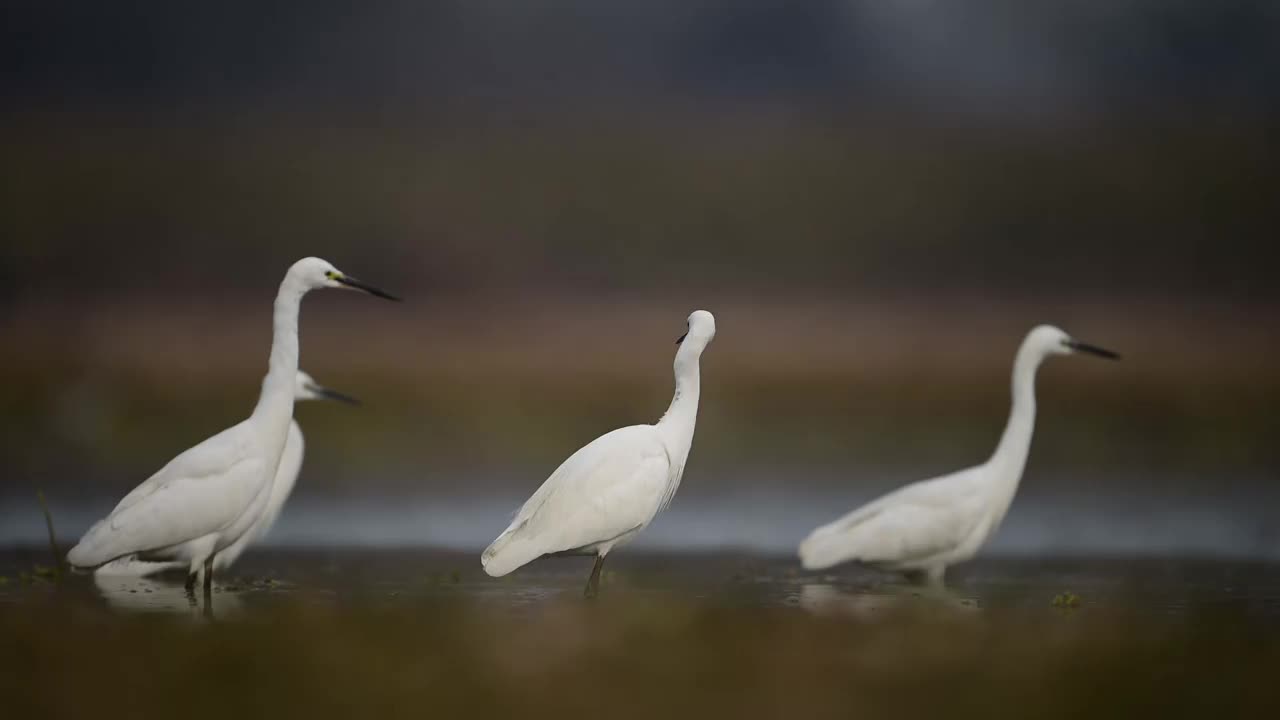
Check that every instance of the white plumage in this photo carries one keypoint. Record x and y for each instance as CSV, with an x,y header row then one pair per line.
x,y
305,388
208,497
612,488
929,525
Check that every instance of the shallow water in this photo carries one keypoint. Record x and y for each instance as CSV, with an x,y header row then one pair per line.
x,y
271,578
407,633
766,513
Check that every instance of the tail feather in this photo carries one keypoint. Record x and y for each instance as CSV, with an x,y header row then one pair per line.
x,y
508,552
95,547
825,548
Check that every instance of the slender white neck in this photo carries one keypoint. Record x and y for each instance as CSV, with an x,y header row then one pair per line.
x,y
1010,456
677,424
275,403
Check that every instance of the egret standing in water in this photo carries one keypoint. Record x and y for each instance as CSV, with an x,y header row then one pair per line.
x,y
929,525
207,498
305,388
611,489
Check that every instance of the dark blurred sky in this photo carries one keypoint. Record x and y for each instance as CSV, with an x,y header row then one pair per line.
x,y
990,58
1072,146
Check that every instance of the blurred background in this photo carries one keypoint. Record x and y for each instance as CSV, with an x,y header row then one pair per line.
x,y
876,199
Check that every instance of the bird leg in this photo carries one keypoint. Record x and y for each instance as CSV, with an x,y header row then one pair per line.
x,y
208,580
933,577
195,576
593,583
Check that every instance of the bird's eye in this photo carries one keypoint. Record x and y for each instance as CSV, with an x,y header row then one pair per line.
x,y
328,274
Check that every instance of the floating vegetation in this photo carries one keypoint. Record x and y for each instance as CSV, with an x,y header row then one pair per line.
x,y
1067,600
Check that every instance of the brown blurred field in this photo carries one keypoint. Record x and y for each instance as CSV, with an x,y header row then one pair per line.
x,y
872,276
783,199
460,383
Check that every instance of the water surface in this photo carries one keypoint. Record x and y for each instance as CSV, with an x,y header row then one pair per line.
x,y
351,632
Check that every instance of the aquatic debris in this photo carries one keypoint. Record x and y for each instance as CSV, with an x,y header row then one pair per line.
x,y
443,578
1067,600
38,574
252,582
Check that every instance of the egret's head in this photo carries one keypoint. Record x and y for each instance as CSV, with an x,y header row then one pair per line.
x,y
315,273
306,388
701,327
1049,340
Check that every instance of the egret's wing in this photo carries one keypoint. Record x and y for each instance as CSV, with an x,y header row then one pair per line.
x,y
281,487
902,533
177,511
211,457
608,488
286,477
913,523
597,512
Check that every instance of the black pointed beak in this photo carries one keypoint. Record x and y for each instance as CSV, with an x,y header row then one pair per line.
x,y
1092,350
359,285
334,395
681,338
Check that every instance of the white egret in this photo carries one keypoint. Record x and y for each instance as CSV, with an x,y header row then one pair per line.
x,y
206,498
304,388
611,489
929,525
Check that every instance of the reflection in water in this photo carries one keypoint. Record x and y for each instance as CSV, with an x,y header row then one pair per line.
x,y
534,595
134,594
827,599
